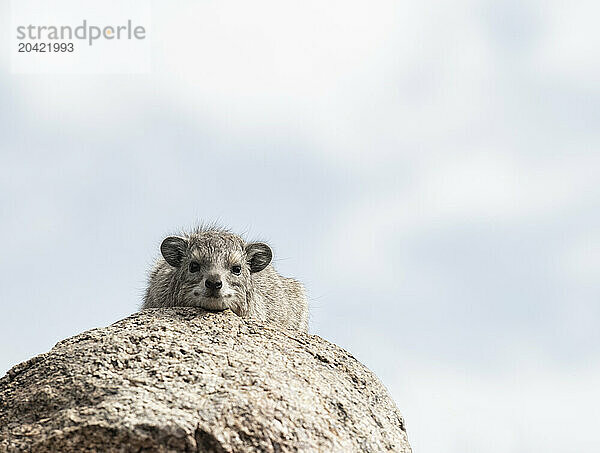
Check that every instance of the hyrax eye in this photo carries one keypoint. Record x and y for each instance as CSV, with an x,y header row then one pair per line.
x,y
237,269
194,266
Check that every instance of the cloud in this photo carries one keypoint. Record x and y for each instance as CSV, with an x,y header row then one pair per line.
x,y
518,410
461,188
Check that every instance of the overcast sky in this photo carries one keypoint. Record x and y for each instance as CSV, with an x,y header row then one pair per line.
x,y
429,170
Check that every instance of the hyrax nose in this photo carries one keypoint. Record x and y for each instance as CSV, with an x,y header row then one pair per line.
x,y
213,282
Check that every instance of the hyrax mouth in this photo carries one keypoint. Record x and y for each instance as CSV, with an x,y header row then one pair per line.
x,y
208,294
211,301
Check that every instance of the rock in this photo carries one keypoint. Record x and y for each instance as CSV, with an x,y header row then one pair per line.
x,y
188,380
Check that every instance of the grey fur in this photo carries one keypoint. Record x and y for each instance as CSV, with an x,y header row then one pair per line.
x,y
258,291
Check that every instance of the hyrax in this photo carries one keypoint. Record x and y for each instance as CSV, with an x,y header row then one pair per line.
x,y
215,269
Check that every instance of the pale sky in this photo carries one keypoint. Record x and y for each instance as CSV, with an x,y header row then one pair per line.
x,y
429,171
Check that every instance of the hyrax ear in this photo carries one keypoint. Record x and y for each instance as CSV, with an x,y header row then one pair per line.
x,y
173,250
259,256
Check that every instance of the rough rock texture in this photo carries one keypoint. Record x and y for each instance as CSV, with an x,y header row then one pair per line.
x,y
188,380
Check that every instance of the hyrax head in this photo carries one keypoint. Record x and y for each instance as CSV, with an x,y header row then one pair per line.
x,y
213,268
